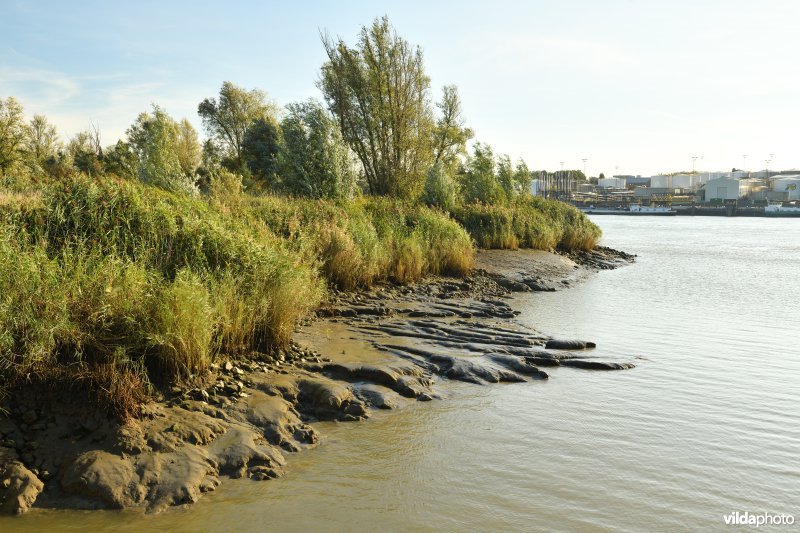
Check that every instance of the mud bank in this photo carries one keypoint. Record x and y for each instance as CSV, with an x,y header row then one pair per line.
x,y
369,350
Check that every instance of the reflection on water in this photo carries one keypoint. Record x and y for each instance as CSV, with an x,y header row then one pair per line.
x,y
707,424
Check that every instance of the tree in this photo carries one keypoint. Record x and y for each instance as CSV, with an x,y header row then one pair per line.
x,y
42,142
121,160
449,135
316,162
227,120
523,177
13,134
260,149
86,152
479,182
188,148
505,176
440,188
154,138
378,91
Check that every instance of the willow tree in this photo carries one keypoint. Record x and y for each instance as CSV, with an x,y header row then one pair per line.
x,y
13,134
228,119
378,91
450,135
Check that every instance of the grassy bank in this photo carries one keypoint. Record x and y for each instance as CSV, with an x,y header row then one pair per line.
x,y
112,286
528,223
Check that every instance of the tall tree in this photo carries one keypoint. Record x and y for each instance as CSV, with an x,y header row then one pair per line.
x,y
450,135
379,93
479,182
188,147
86,152
316,161
523,177
13,134
505,176
227,119
260,150
120,159
154,138
42,141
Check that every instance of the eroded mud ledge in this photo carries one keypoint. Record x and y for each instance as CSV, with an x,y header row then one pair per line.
x,y
366,350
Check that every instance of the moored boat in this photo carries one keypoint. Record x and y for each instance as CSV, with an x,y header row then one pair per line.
x,y
633,209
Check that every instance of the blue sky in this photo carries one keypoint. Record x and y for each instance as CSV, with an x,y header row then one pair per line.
x,y
633,87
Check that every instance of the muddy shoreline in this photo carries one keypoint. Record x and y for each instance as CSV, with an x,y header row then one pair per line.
x,y
366,350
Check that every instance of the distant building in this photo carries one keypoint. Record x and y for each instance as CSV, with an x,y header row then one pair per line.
x,y
535,187
789,184
635,181
684,181
649,192
611,183
722,189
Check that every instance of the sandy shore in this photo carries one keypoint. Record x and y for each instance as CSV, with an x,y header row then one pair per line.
x,y
376,349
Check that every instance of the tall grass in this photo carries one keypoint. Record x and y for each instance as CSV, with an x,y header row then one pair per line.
x,y
108,285
104,272
529,222
359,242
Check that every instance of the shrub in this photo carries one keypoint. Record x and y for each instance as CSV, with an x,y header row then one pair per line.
x,y
440,188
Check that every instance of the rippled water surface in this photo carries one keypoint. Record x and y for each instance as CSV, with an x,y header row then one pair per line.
x,y
708,423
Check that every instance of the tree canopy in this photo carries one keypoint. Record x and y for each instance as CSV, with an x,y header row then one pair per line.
x,y
13,134
228,119
317,162
378,91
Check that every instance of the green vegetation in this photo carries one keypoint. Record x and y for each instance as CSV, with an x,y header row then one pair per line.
x,y
126,267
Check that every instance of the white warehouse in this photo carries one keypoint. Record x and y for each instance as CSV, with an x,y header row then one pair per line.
x,y
726,189
788,184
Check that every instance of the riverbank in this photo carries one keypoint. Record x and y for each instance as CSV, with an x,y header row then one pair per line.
x,y
370,349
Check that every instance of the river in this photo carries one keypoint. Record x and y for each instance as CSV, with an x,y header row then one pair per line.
x,y
708,423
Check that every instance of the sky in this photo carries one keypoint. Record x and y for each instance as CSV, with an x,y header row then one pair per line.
x,y
633,87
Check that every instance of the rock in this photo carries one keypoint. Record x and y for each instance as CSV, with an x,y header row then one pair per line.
x,y
510,284
228,366
561,344
105,478
377,396
596,365
518,364
328,400
19,488
29,417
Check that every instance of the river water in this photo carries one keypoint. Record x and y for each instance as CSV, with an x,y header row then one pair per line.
x,y
708,422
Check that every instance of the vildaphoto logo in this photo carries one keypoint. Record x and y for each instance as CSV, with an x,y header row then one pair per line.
x,y
747,518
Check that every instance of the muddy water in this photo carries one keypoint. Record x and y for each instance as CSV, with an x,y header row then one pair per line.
x,y
708,423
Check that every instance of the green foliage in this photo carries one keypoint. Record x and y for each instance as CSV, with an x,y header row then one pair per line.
x,y
379,93
13,135
227,120
157,141
120,160
103,271
529,222
187,146
260,149
450,135
85,152
479,183
316,162
366,240
440,189
41,143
